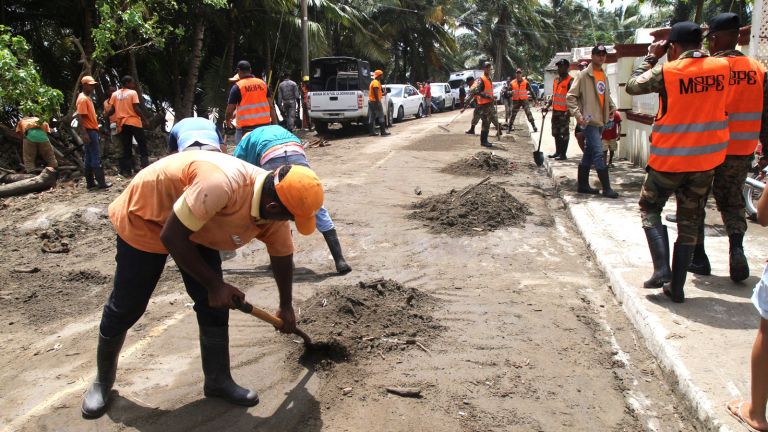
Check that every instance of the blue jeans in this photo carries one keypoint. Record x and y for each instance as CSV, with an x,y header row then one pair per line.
x,y
323,220
91,153
593,148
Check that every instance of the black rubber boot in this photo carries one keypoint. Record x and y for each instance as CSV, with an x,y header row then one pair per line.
x,y
484,139
332,238
681,257
700,261
557,149
583,181
214,351
126,169
739,267
606,182
658,244
383,129
100,180
471,130
563,149
372,129
90,183
498,132
96,399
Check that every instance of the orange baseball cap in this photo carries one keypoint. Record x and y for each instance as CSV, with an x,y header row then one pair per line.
x,y
87,80
301,193
378,72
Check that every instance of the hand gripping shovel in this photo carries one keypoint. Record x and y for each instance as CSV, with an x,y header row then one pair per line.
x,y
538,156
263,315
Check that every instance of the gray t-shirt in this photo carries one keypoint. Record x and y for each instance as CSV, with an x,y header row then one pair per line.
x,y
288,91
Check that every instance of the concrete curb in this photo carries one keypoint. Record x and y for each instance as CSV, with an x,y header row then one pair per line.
x,y
646,323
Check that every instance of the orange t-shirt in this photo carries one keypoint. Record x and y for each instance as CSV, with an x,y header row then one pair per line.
x,y
213,194
27,123
123,101
85,108
107,107
600,84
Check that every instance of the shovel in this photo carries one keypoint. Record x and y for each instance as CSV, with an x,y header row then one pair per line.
x,y
263,315
538,156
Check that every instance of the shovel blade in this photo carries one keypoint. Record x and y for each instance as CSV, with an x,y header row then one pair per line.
x,y
538,157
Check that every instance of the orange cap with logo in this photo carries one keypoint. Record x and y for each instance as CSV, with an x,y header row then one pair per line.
x,y
301,193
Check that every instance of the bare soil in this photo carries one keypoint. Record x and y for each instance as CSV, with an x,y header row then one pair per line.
x,y
519,329
484,162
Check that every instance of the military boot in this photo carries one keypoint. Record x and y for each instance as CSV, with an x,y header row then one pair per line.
x,y
563,149
214,352
680,259
484,138
739,267
96,399
332,239
700,261
471,130
658,244
583,181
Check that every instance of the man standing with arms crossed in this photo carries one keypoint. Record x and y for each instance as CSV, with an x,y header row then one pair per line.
x,y
250,103
88,126
747,123
686,145
192,205
561,119
589,101
288,95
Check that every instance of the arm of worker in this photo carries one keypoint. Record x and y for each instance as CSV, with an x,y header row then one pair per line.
x,y
762,210
376,93
282,270
175,236
273,112
173,144
222,141
764,123
572,100
611,108
81,127
232,100
647,78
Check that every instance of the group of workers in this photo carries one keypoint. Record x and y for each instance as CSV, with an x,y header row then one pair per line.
x,y
210,202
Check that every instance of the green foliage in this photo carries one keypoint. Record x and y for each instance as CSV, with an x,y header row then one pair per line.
x,y
20,84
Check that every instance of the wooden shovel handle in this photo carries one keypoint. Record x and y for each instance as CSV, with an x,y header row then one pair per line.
x,y
263,315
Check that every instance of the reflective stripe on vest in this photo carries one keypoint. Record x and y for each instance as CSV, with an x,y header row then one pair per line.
x,y
519,91
486,96
253,109
560,92
745,104
693,134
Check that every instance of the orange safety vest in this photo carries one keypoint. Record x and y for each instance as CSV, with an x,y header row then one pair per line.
x,y
253,109
692,135
745,104
519,90
486,96
559,93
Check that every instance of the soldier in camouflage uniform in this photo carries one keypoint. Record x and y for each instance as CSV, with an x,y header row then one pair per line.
x,y
486,111
476,115
690,187
723,36
560,118
517,105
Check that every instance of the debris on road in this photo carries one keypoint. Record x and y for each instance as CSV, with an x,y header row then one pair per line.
x,y
484,162
413,392
481,208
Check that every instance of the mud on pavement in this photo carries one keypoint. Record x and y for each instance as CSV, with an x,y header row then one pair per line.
x,y
484,162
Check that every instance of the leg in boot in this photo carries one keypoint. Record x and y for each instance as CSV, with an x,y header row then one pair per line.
x,y
214,351
383,129
332,239
583,181
700,262
471,130
739,267
680,260
100,180
372,128
602,174
658,244
564,147
90,183
557,149
96,399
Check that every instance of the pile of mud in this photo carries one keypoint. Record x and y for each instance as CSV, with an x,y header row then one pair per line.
x,y
481,163
472,211
365,320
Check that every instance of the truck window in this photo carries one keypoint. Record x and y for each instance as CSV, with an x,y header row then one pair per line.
x,y
338,74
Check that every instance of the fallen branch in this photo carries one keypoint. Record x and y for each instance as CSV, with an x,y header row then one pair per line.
x,y
45,181
13,178
473,187
414,392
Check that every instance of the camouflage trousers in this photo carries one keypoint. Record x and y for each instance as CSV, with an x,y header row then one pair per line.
x,y
561,124
726,188
487,114
516,106
690,189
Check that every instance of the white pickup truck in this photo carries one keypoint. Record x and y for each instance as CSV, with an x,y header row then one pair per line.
x,y
338,92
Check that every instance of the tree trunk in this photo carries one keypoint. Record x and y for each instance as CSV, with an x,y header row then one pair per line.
x,y
45,181
193,69
135,74
699,11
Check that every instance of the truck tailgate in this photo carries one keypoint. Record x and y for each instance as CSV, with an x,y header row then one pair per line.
x,y
335,101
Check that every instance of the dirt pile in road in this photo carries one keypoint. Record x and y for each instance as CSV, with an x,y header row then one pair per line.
x,y
474,210
481,163
366,319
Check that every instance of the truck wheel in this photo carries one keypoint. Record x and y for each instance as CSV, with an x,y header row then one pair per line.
x,y
321,127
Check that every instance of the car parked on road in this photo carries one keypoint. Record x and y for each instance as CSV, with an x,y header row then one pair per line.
x,y
406,101
442,97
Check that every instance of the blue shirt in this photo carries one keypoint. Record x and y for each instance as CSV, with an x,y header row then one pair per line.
x,y
253,146
191,130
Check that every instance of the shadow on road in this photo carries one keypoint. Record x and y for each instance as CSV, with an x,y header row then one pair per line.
x,y
299,411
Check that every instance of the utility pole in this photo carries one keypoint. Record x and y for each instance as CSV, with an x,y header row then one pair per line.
x,y
304,40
